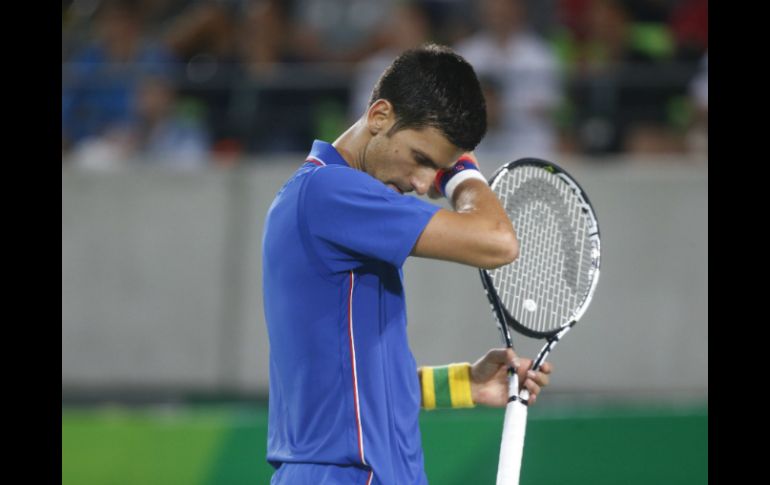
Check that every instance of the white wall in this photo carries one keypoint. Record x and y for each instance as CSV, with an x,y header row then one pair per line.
x,y
161,283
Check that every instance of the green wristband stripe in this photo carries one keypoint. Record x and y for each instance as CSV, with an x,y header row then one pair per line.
x,y
441,385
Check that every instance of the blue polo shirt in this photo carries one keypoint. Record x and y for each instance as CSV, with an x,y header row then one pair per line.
x,y
344,393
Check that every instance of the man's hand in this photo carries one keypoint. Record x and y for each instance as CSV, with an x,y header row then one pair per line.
x,y
489,377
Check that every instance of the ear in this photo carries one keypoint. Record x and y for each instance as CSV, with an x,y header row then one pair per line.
x,y
380,117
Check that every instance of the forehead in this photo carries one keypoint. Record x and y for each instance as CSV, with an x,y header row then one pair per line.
x,y
430,142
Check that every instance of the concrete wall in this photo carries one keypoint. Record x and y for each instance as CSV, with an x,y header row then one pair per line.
x,y
161,283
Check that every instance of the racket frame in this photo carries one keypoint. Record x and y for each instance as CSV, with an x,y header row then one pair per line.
x,y
514,428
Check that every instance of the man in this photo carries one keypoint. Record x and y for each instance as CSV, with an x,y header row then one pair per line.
x,y
345,391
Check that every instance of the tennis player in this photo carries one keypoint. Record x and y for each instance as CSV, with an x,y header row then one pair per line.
x,y
345,390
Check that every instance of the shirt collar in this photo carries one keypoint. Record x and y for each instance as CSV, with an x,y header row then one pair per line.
x,y
324,153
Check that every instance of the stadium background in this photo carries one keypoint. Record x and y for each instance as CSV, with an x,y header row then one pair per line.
x,y
164,347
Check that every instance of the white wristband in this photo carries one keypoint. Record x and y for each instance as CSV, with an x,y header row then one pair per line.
x,y
461,177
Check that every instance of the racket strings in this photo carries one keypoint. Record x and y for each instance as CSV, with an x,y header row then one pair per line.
x,y
551,277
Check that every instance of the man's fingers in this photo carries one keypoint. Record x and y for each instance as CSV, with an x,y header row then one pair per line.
x,y
511,359
541,378
532,387
522,367
508,357
500,356
496,356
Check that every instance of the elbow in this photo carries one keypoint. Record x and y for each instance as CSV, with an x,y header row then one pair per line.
x,y
505,250
512,251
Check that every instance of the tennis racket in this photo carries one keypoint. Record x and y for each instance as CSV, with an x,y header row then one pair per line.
x,y
545,291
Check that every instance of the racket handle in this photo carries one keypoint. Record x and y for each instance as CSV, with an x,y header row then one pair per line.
x,y
514,428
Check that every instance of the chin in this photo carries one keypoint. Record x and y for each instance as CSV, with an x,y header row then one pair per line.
x,y
394,187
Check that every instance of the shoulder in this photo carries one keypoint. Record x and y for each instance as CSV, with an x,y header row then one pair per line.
x,y
335,179
350,193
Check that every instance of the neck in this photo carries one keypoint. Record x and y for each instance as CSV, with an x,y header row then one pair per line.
x,y
352,145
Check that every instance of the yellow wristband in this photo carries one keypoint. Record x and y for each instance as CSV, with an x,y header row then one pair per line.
x,y
446,386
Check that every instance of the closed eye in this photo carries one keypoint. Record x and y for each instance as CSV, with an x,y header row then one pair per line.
x,y
423,160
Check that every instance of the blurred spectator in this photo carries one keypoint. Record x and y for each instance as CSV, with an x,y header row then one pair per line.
x,y
571,18
541,16
168,132
449,19
164,133
689,24
407,27
520,70
625,84
203,33
264,36
337,30
236,53
99,83
269,115
205,37
269,74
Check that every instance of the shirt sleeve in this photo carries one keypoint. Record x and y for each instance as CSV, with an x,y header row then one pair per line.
x,y
351,218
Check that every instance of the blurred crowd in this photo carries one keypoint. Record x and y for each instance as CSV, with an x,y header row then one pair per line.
x,y
186,83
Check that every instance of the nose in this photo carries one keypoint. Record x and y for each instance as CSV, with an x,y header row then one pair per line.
x,y
420,185
422,180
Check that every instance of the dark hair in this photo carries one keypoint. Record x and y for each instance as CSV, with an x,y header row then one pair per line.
x,y
434,86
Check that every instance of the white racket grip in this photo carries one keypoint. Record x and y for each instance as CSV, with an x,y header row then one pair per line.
x,y
512,444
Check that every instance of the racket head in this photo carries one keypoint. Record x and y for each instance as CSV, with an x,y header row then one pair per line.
x,y
550,285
